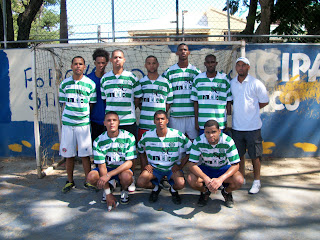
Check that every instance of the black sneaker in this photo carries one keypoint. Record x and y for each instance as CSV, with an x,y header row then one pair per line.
x,y
124,197
154,195
176,199
203,199
68,186
228,199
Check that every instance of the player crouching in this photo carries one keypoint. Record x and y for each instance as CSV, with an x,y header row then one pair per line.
x,y
114,151
219,165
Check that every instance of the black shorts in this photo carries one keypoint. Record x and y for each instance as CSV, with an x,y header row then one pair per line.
x,y
131,128
250,140
96,130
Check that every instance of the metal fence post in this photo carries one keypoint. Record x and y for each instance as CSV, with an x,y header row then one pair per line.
x,y
4,13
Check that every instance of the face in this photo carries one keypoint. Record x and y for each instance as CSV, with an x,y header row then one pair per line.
x,y
100,64
212,134
210,63
111,122
183,52
151,65
161,121
242,69
118,59
78,66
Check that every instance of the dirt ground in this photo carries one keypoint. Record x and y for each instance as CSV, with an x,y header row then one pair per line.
x,y
287,207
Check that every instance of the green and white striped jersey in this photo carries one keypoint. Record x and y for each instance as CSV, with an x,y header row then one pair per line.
x,y
212,95
163,153
119,93
181,81
155,95
223,153
114,151
77,96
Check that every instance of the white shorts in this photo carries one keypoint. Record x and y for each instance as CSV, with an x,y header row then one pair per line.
x,y
186,125
71,136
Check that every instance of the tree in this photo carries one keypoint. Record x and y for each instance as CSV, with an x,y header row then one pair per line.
x,y
265,20
63,21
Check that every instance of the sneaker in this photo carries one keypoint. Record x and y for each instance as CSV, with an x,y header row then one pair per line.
x,y
164,184
228,199
112,185
203,199
68,186
176,199
132,186
91,187
154,195
124,198
255,188
104,198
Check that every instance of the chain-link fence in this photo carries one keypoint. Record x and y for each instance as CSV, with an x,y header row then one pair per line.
x,y
167,20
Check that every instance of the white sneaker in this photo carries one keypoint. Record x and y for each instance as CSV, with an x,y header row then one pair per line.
x,y
255,188
124,198
132,187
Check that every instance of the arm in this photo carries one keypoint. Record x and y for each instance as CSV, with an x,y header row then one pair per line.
x,y
228,107
184,161
167,107
125,166
144,163
137,103
91,106
196,113
262,105
198,172
104,177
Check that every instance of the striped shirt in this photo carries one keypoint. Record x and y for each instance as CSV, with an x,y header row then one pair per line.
x,y
77,96
212,95
223,153
156,94
114,151
181,80
119,93
163,153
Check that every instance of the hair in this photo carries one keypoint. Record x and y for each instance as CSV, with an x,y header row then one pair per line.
x,y
211,123
99,52
116,50
210,55
78,57
111,113
181,44
160,112
151,56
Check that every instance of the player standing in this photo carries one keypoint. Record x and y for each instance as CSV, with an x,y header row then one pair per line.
x,y
249,96
78,93
181,77
211,96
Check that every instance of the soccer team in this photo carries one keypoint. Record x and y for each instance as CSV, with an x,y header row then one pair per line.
x,y
99,117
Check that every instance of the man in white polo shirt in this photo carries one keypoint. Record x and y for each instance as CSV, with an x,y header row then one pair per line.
x,y
249,96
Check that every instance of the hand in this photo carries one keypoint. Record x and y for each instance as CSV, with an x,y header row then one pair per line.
x,y
149,168
102,181
196,125
214,184
175,168
111,202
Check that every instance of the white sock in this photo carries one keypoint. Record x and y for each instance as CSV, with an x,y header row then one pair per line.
x,y
172,190
257,182
156,187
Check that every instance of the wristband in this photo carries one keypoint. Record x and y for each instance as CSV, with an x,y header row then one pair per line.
x,y
107,191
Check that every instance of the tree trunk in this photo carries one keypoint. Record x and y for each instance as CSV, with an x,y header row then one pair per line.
x,y
265,21
63,21
251,18
10,29
25,20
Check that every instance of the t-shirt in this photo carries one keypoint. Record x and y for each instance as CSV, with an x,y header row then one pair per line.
x,y
214,156
163,153
181,81
119,93
98,110
155,95
114,151
246,98
77,96
212,95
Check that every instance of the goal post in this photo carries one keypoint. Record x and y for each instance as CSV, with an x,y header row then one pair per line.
x,y
52,64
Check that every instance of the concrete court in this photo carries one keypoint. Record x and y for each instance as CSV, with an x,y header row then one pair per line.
x,y
288,207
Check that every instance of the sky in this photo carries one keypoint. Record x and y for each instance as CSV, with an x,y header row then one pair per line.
x,y
84,16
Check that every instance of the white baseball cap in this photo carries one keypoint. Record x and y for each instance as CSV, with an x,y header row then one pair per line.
x,y
243,59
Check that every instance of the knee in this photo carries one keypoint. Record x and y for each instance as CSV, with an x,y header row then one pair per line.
x,y
179,183
141,182
125,178
93,177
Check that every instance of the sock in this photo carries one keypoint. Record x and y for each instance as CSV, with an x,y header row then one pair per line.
x,y
156,187
172,190
224,189
257,182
